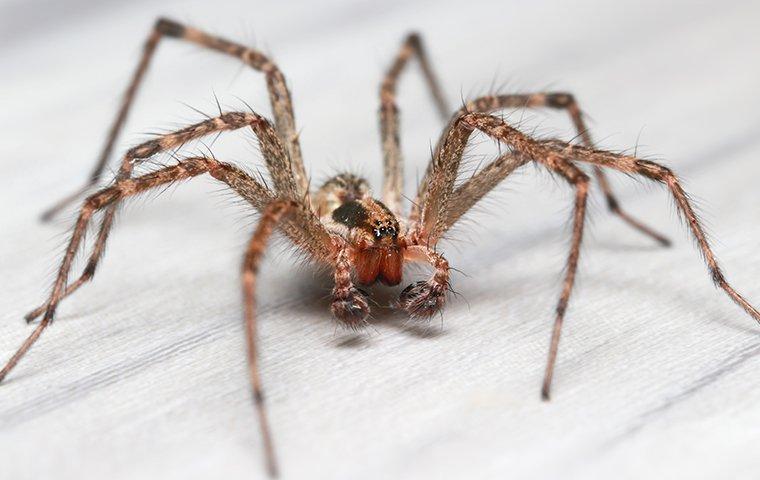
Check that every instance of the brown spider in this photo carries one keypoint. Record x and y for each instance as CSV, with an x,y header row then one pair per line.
x,y
341,225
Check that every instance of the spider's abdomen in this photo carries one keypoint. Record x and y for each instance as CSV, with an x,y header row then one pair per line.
x,y
339,190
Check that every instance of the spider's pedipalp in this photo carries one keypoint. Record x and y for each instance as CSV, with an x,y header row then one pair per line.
x,y
424,299
349,305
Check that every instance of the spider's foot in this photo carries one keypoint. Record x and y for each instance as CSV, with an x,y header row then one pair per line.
x,y
350,308
422,299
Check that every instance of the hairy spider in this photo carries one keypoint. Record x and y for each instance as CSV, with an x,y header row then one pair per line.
x,y
341,225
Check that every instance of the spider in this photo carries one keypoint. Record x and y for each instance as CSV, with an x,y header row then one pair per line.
x,y
363,240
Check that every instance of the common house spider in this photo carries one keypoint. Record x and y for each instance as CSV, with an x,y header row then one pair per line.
x,y
340,225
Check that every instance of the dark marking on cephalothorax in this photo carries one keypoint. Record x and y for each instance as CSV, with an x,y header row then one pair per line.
x,y
352,214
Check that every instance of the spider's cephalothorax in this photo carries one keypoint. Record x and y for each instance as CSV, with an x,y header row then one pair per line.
x,y
372,245
372,231
341,226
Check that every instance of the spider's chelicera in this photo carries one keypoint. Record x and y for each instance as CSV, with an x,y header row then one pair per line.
x,y
362,239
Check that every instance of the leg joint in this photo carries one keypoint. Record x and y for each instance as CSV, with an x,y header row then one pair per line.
x,y
717,275
561,307
612,203
655,171
560,100
170,28
89,270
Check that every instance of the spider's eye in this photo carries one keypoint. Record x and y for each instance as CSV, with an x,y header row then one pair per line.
x,y
381,232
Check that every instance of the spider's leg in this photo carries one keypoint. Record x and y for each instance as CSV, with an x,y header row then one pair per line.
x,y
479,184
279,96
556,100
271,149
393,175
436,204
568,102
304,229
185,169
270,217
92,263
580,181
434,199
99,200
299,220
664,175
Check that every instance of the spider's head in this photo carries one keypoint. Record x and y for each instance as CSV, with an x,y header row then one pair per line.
x,y
374,233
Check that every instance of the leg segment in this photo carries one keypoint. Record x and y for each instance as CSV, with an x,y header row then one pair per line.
x,y
580,181
393,177
279,95
125,188
89,269
665,176
567,101
269,219
482,182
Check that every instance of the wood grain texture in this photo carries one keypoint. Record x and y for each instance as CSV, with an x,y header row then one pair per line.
x,y
143,374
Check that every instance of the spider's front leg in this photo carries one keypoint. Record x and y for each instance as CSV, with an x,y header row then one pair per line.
x,y
279,96
103,199
425,298
274,154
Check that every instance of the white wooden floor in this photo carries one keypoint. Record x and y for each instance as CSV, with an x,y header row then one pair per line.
x,y
143,375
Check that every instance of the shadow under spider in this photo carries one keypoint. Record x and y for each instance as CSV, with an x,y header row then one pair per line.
x,y
314,290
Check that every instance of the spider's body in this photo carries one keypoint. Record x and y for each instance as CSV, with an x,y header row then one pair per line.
x,y
377,249
362,239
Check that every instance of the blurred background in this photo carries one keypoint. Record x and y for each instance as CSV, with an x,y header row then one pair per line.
x,y
143,374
